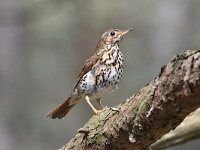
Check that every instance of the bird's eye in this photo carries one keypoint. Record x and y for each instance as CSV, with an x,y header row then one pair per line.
x,y
112,33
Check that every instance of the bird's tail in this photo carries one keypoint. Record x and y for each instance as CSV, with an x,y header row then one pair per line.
x,y
62,110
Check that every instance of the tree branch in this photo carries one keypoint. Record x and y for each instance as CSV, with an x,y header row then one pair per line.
x,y
155,110
188,130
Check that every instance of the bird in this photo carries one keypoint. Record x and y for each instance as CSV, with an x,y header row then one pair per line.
x,y
100,74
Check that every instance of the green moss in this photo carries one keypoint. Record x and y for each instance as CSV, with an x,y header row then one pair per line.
x,y
107,135
99,138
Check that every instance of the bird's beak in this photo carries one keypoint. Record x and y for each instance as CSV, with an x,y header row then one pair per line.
x,y
123,32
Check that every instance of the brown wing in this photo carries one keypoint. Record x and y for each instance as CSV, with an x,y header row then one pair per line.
x,y
87,67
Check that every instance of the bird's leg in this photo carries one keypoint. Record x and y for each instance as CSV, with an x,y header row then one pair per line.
x,y
97,112
99,101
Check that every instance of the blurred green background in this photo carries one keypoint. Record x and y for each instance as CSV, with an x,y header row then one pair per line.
x,y
44,44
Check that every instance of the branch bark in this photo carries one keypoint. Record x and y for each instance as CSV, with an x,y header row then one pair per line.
x,y
155,110
188,130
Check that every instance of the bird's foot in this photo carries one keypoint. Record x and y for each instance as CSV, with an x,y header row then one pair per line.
x,y
98,112
115,109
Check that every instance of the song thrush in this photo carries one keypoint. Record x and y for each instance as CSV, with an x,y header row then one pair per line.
x,y
100,74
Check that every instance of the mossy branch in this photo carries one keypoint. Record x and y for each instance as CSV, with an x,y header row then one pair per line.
x,y
155,110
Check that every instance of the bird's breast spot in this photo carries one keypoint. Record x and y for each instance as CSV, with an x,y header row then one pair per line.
x,y
113,73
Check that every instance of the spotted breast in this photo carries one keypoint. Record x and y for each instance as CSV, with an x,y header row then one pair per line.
x,y
104,75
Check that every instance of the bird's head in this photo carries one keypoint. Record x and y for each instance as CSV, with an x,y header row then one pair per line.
x,y
113,36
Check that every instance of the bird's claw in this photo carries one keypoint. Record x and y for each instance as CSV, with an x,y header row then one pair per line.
x,y
98,112
115,109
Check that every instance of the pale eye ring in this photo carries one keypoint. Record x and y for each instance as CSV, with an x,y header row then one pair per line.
x,y
112,33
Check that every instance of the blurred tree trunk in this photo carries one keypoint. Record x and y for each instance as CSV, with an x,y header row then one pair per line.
x,y
155,110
